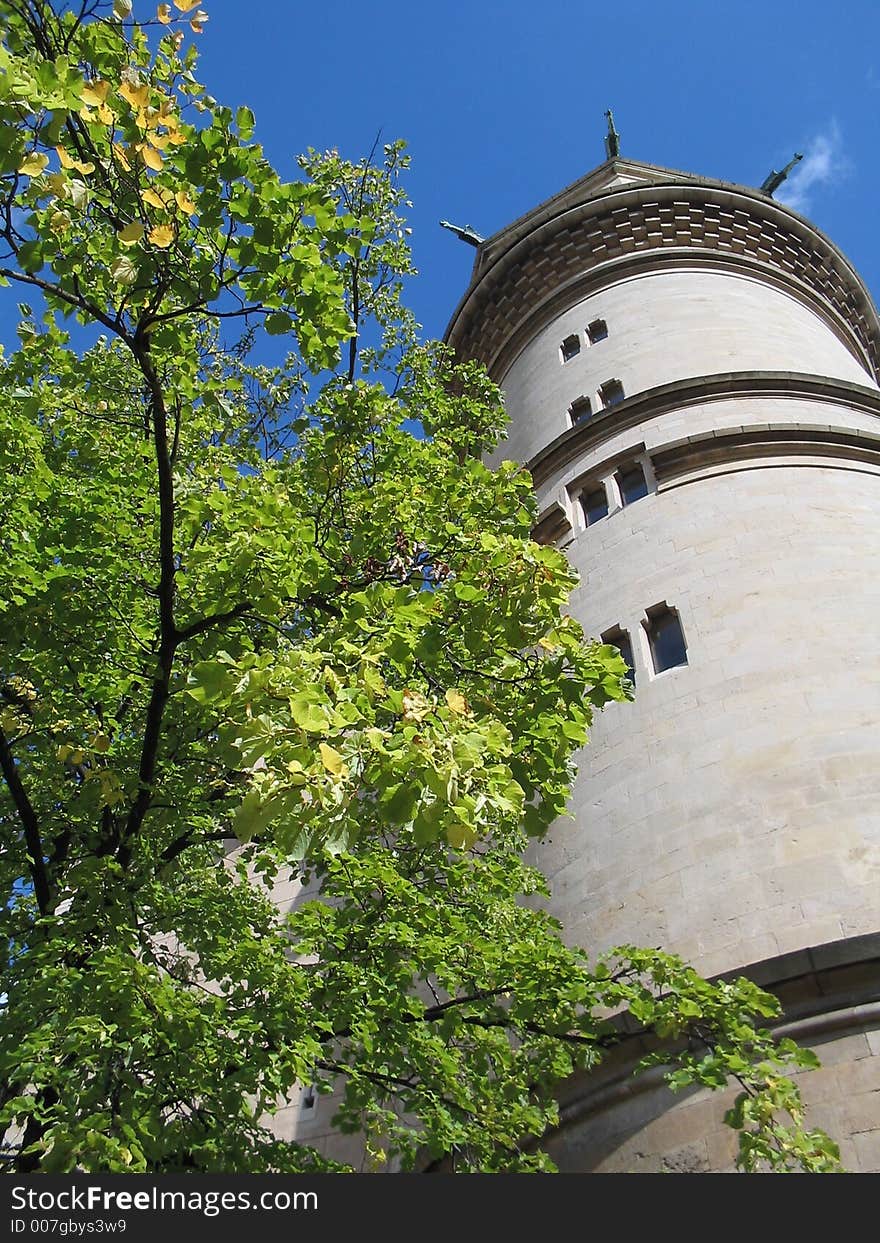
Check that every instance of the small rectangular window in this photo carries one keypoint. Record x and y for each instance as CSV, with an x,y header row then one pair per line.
x,y
580,410
308,1102
594,505
597,331
632,483
620,639
665,638
570,347
611,393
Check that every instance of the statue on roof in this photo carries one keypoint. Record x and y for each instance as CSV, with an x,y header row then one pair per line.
x,y
466,232
774,180
612,138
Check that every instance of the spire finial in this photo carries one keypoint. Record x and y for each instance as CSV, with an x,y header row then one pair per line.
x,y
612,138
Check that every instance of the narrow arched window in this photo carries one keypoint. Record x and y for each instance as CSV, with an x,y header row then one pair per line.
x,y
665,638
579,411
619,638
597,331
570,347
594,504
611,393
631,483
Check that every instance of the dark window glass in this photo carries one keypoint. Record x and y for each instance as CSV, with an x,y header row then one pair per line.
x,y
597,331
666,639
570,346
579,411
632,483
611,393
595,505
620,639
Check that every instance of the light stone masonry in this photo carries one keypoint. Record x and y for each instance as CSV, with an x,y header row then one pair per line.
x,y
730,813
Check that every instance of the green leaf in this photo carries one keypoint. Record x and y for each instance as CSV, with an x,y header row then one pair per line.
x,y
278,323
244,120
309,711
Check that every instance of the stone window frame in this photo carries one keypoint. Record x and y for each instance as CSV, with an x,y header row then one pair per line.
x,y
580,411
570,347
622,463
597,330
604,475
308,1101
597,485
626,468
611,393
627,649
647,642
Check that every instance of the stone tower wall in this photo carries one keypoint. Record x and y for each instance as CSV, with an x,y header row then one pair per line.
x,y
730,812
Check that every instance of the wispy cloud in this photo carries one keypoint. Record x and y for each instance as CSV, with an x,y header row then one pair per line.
x,y
823,162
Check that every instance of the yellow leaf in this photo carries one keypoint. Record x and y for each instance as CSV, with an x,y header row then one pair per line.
x,y
197,25
185,203
94,93
67,161
121,156
77,192
58,183
32,165
184,6
415,706
163,13
123,270
137,96
106,115
151,158
59,221
150,196
457,702
332,761
298,776
162,235
176,138
131,234
100,743
159,141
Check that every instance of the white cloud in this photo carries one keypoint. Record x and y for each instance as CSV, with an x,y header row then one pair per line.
x,y
823,162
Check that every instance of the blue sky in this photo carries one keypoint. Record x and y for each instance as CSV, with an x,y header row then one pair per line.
x,y
502,103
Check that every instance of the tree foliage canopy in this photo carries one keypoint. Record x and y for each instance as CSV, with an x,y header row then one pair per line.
x,y
243,605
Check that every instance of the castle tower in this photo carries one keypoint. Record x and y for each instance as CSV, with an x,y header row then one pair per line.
x,y
690,371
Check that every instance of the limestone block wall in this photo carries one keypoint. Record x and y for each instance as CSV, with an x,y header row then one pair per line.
x,y
730,812
613,1122
664,327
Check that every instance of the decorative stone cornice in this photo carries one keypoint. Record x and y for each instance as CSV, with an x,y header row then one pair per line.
x,y
552,257
830,989
653,402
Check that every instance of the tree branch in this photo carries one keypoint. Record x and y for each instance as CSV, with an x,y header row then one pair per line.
x,y
30,824
168,635
216,619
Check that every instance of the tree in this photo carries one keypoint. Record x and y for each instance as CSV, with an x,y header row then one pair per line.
x,y
243,602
